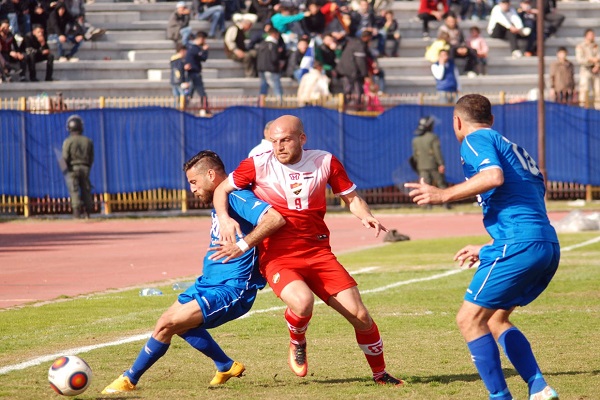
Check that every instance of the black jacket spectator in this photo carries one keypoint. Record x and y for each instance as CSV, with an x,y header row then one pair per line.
x,y
195,56
263,9
269,56
353,62
57,24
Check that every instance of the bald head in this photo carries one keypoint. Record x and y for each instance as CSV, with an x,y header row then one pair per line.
x,y
288,137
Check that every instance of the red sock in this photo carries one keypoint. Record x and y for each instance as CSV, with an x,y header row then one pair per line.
x,y
371,344
297,326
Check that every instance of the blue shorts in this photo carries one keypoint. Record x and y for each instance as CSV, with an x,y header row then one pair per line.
x,y
219,303
512,275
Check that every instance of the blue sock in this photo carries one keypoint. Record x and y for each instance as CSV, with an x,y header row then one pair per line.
x,y
518,350
152,351
486,358
200,339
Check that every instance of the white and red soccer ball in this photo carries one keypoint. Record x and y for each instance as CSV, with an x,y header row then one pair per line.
x,y
69,375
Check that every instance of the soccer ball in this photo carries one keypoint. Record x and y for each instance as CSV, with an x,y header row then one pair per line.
x,y
69,375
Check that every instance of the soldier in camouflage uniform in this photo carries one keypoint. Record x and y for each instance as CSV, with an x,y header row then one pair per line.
x,y
427,154
78,154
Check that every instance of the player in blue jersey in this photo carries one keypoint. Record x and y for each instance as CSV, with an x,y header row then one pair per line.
x,y
226,290
520,260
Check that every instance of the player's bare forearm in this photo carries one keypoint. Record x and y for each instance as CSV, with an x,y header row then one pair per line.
x,y
361,210
228,227
488,179
270,222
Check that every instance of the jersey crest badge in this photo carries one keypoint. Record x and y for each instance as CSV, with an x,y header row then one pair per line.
x,y
295,176
296,188
276,278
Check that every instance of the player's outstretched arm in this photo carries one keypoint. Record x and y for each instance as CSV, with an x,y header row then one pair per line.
x,y
485,180
361,210
228,227
269,223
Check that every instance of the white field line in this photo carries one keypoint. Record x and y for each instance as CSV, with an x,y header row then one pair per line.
x,y
578,245
38,360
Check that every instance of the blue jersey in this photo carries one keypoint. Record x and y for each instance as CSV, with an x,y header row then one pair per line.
x,y
515,211
243,271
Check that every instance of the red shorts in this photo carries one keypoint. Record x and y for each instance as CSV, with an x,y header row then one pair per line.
x,y
317,267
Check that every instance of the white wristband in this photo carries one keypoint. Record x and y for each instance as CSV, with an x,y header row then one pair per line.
x,y
242,245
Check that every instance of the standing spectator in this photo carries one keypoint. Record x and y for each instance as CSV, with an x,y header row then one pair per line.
x,y
458,46
197,53
506,24
427,155
213,11
314,24
553,19
178,27
520,260
18,16
314,85
446,78
235,43
429,10
37,50
529,16
11,56
78,154
562,77
179,79
478,43
388,29
60,29
353,67
269,65
588,57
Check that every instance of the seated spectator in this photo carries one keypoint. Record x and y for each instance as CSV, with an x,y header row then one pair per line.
x,y
269,63
264,9
367,21
315,22
213,11
62,28
37,50
506,24
432,52
552,18
77,9
446,78
18,16
11,57
235,43
431,10
388,28
562,78
461,8
179,79
294,61
529,17
458,46
39,10
478,43
283,21
480,9
178,27
335,21
314,85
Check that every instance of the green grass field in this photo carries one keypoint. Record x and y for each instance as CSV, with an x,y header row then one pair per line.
x,y
416,320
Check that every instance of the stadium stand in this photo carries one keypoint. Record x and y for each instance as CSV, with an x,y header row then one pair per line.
x,y
132,58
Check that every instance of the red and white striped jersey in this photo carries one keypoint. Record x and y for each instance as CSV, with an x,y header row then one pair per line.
x,y
297,191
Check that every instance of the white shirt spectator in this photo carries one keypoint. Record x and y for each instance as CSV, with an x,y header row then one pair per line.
x,y
506,19
264,146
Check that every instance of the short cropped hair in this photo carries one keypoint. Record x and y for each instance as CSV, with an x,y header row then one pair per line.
x,y
475,108
205,160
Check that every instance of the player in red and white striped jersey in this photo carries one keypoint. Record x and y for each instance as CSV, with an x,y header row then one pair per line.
x,y
297,260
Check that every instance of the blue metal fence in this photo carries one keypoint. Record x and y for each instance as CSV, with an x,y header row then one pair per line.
x,y
144,148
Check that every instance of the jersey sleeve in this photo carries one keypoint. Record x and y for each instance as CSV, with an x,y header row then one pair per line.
x,y
243,175
479,152
338,178
248,206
